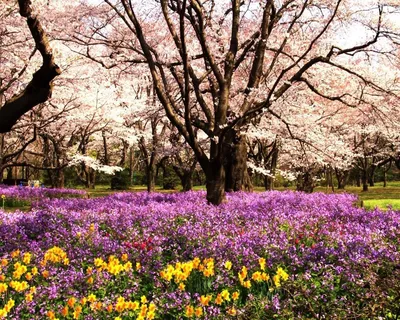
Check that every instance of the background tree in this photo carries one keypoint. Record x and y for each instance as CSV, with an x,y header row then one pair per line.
x,y
215,66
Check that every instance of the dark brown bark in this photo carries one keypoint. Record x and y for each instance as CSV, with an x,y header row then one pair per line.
x,y
185,174
105,148
215,183
364,180
39,88
236,175
131,164
151,178
268,183
371,176
341,177
187,181
56,178
218,77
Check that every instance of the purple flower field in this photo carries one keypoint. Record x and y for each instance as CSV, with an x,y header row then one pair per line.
x,y
281,255
30,194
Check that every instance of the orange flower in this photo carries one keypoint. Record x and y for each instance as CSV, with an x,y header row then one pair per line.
x,y
64,311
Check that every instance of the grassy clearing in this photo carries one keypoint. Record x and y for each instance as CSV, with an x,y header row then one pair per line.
x,y
383,204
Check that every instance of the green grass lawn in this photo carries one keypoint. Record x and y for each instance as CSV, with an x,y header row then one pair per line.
x,y
383,204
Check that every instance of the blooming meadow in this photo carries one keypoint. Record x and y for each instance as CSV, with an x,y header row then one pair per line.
x,y
15,196
281,255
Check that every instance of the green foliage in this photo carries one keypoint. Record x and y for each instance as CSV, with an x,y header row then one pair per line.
x,y
121,180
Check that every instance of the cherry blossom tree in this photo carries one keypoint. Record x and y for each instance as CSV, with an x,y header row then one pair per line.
x,y
216,66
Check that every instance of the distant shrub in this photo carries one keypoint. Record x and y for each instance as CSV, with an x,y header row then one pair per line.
x,y
121,180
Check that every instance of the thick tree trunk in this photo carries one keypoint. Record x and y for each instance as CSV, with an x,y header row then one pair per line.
x,y
236,175
215,183
56,178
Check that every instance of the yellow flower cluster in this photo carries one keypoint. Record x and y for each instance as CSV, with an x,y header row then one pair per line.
x,y
145,311
7,308
19,286
280,275
242,278
55,255
205,300
30,293
19,270
260,276
182,270
191,311
113,266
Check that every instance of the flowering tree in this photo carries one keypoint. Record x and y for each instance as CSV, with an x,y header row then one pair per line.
x,y
215,66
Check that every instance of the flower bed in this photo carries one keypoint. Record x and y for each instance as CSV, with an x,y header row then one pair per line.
x,y
24,196
172,256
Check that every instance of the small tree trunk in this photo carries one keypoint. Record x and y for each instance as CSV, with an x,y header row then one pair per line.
x,y
385,179
268,183
187,181
341,178
151,178
371,177
60,179
306,183
9,173
364,180
358,181
131,165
